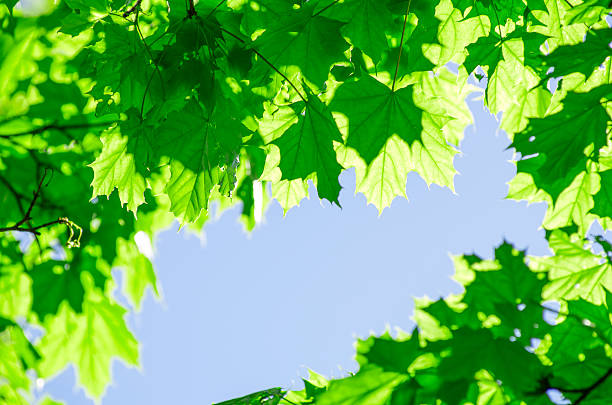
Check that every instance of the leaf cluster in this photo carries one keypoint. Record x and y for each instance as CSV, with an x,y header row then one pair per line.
x,y
118,117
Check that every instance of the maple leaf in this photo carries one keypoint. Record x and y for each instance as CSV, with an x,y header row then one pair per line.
x,y
90,341
201,156
498,12
364,21
51,288
115,167
137,270
385,177
555,142
575,272
583,57
296,38
489,51
307,147
573,203
589,12
375,113
387,353
370,385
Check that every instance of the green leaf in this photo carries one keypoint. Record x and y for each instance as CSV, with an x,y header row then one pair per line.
x,y
90,341
596,316
519,45
307,147
296,38
583,57
433,156
138,273
371,385
266,397
553,141
54,283
202,155
575,271
365,19
573,204
385,177
602,200
388,354
472,350
589,12
375,113
114,168
289,193
49,401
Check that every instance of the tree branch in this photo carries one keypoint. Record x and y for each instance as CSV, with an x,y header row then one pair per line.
x,y
33,230
19,226
26,214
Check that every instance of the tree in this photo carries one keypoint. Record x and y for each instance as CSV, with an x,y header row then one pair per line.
x,y
177,105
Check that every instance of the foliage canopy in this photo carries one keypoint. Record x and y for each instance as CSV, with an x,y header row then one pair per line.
x,y
158,109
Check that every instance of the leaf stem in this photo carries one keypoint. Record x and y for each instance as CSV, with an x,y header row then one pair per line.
x,y
256,52
587,391
191,11
215,8
325,8
399,56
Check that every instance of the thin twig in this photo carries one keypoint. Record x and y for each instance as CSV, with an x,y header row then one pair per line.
x,y
191,11
34,229
19,226
26,216
399,56
133,8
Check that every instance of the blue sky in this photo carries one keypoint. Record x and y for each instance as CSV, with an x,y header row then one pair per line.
x,y
245,312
